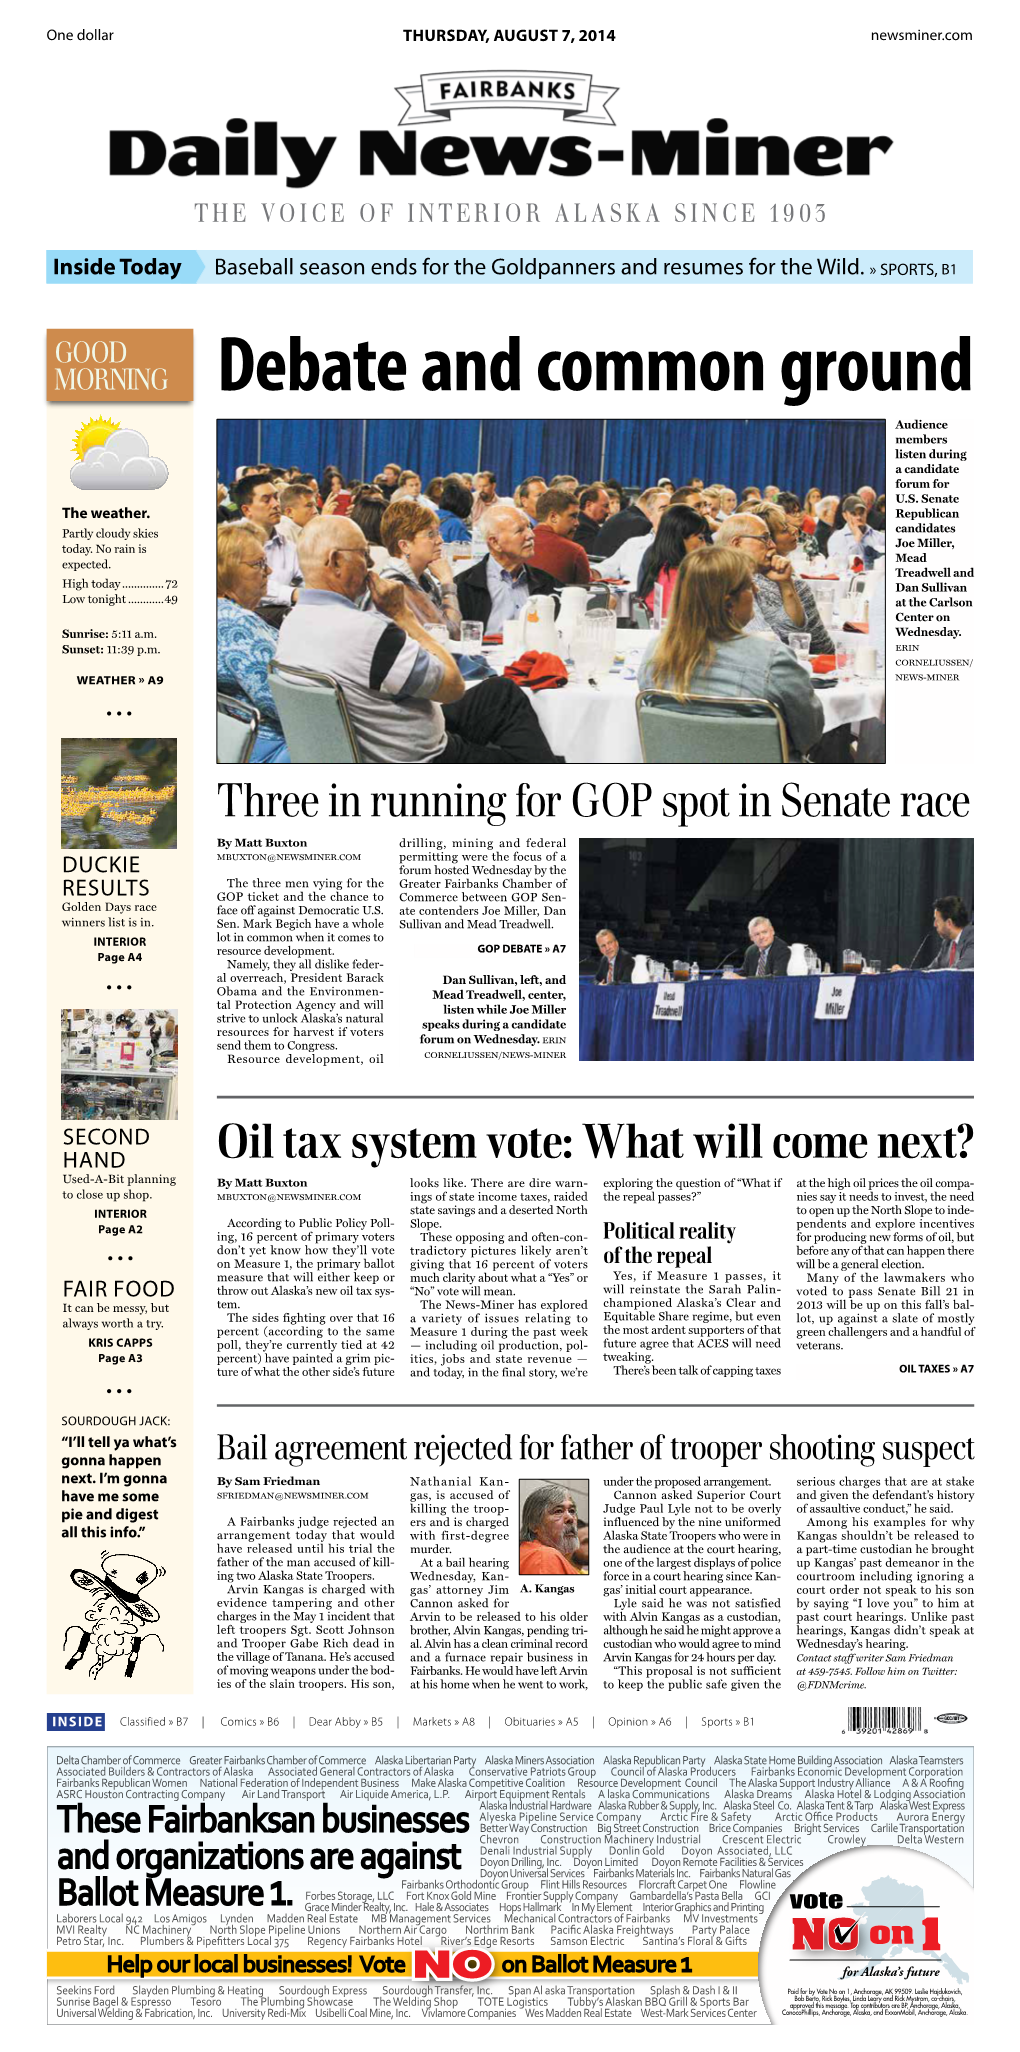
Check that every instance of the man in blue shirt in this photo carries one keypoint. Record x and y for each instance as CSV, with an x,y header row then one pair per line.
x,y
856,539
498,587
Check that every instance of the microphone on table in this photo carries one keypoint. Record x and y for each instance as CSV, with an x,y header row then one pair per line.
x,y
917,951
720,966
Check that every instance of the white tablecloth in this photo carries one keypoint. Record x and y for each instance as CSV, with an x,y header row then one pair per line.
x,y
585,725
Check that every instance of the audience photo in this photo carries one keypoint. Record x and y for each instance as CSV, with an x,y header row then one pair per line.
x,y
580,575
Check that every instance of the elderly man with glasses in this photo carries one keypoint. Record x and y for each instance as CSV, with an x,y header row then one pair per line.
x,y
402,689
777,602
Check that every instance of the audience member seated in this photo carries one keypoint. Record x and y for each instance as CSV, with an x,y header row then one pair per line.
x,y
410,533
785,539
626,561
297,507
498,587
679,532
555,550
388,479
245,643
704,650
454,511
594,502
259,501
403,691
855,543
778,608
527,496
689,495
631,521
484,493
826,512
367,509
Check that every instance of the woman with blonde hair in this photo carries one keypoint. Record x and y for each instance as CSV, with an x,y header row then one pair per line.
x,y
703,650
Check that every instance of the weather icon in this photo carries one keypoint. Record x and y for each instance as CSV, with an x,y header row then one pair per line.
x,y
114,459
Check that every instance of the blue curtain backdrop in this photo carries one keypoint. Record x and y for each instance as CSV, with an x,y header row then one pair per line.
x,y
835,455
237,442
431,447
541,448
306,444
311,444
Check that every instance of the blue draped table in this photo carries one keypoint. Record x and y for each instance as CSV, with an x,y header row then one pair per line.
x,y
909,1017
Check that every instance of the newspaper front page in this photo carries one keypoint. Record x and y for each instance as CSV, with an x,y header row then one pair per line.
x,y
525,1461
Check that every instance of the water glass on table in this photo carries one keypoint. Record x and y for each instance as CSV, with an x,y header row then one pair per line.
x,y
800,645
471,637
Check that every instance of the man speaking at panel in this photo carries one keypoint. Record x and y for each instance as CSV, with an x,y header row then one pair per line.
x,y
955,929
615,966
767,954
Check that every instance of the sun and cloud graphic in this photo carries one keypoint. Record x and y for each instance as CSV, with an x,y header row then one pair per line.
x,y
111,458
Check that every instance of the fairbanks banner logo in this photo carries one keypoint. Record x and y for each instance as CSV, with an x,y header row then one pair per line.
x,y
441,94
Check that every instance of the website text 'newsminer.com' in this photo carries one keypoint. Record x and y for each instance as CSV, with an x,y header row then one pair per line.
x,y
921,36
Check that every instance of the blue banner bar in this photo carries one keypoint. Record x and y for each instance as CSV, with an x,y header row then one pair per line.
x,y
512,267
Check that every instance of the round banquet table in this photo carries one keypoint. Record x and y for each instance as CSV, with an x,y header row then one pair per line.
x,y
586,724
912,1016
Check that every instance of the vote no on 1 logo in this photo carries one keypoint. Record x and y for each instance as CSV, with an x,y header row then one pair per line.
x,y
843,1932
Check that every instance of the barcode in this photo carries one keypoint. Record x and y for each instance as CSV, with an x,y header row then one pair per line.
x,y
883,1718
